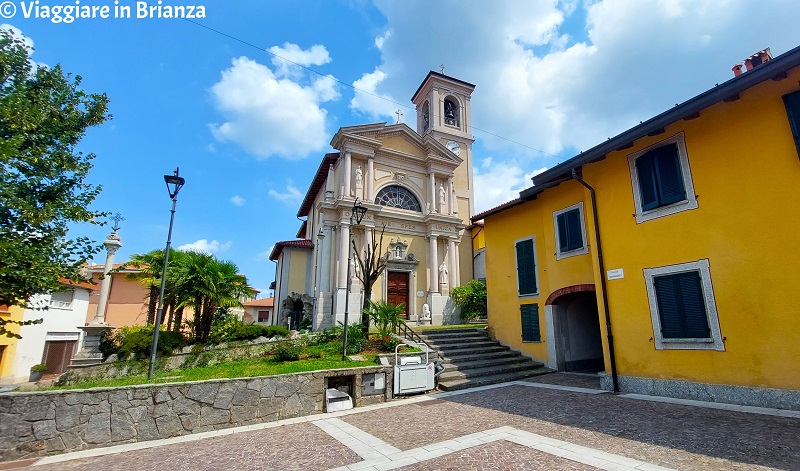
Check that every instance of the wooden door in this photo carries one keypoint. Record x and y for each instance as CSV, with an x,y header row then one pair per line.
x,y
57,355
397,290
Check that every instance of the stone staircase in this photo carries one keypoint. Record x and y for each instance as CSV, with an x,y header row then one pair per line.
x,y
472,359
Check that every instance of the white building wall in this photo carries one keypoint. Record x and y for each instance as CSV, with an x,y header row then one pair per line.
x,y
63,321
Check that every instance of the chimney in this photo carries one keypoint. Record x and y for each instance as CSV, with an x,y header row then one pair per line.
x,y
757,59
737,70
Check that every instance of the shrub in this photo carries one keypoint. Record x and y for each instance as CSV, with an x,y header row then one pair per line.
x,y
356,340
238,330
471,298
40,368
385,316
286,351
388,343
139,339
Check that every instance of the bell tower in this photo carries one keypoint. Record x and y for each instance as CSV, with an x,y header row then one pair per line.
x,y
443,112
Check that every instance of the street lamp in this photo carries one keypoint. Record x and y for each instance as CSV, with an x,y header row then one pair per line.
x,y
174,185
359,212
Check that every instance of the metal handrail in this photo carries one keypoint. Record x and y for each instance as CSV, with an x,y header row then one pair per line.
x,y
403,330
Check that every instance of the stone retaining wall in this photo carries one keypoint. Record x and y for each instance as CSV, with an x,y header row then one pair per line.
x,y
50,422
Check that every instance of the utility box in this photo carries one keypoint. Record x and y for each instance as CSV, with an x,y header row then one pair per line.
x,y
411,375
373,383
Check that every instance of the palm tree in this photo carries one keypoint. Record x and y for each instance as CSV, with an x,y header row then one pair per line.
x,y
150,266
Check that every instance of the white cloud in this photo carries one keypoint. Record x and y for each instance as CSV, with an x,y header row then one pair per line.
x,y
264,256
549,79
203,245
496,184
269,115
286,59
382,38
238,200
292,196
368,101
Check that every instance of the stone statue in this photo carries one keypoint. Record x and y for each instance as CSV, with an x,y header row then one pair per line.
x,y
359,177
443,273
442,198
426,311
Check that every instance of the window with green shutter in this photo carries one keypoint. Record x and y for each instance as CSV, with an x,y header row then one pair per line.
x,y
792,102
660,177
681,306
526,267
570,232
530,323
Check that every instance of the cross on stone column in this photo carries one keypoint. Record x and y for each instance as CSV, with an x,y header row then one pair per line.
x,y
399,114
117,218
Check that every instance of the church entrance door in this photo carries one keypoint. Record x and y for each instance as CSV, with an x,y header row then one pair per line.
x,y
397,290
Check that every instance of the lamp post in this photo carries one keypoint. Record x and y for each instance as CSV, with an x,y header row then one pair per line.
x,y
359,212
174,185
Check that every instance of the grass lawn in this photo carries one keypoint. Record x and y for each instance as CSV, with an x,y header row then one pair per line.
x,y
319,357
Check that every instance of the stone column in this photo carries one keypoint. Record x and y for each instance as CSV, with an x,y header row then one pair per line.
x,y
370,179
112,243
432,201
433,263
344,239
323,247
451,263
458,263
330,183
451,196
348,169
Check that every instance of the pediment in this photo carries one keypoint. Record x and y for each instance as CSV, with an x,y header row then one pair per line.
x,y
394,139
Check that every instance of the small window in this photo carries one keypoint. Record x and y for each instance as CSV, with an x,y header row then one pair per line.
x,y
792,102
530,323
61,299
662,182
526,267
263,316
682,307
570,231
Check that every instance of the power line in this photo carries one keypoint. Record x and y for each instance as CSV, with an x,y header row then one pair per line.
x,y
330,77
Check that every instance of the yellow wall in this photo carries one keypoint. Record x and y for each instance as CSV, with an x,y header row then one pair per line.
x,y
13,313
534,218
298,262
745,170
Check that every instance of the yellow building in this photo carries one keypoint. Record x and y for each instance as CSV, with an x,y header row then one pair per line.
x,y
416,186
676,236
8,345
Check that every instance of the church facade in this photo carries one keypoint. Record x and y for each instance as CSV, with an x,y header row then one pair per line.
x,y
417,187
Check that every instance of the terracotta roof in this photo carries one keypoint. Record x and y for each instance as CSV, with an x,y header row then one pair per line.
x,y
475,224
437,74
266,302
83,284
525,195
300,243
496,209
317,183
100,268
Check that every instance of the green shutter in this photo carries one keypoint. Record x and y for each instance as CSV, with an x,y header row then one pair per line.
x,y
526,268
563,233
792,102
645,170
681,306
530,323
574,229
668,175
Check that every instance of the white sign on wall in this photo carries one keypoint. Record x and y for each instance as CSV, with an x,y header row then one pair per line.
x,y
616,274
420,294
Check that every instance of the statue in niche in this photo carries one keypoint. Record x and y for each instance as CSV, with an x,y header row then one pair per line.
x,y
443,274
442,198
359,181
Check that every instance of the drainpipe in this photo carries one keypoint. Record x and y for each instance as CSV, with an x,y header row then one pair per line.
x,y
609,335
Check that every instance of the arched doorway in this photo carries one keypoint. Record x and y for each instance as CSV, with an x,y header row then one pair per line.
x,y
574,338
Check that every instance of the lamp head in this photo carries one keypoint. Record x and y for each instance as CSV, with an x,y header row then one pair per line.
x,y
174,183
359,211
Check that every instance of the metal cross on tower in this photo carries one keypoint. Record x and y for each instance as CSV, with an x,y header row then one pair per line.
x,y
399,114
117,218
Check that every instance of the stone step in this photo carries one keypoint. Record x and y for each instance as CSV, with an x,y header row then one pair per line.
x,y
465,383
484,361
445,332
471,349
471,356
465,345
456,340
489,370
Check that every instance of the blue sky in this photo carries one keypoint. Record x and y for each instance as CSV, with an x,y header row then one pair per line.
x,y
248,129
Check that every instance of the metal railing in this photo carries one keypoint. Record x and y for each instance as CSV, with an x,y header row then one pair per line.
x,y
403,330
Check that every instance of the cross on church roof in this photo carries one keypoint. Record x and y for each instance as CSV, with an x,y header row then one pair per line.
x,y
398,113
441,67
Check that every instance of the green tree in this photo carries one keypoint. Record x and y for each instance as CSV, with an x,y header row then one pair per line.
x,y
43,116
471,298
